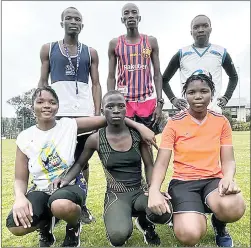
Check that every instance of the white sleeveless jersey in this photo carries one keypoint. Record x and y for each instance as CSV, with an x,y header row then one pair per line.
x,y
209,58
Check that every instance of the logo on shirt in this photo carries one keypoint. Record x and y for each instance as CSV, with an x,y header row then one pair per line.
x,y
137,67
215,53
146,52
52,164
69,70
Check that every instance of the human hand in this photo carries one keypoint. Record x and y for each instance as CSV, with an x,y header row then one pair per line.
x,y
227,186
222,102
180,103
22,212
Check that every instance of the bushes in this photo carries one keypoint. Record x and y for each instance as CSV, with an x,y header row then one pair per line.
x,y
241,126
236,125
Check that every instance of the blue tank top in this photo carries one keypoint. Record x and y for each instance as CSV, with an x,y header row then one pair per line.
x,y
60,69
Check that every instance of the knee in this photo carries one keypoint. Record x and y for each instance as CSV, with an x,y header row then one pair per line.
x,y
119,237
19,231
190,235
231,210
62,207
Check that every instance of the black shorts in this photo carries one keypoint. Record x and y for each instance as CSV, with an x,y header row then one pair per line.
x,y
41,203
191,196
80,146
158,128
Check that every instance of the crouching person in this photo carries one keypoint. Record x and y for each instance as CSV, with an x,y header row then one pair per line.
x,y
46,151
120,150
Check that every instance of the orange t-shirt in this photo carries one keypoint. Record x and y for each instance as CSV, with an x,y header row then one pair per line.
x,y
196,144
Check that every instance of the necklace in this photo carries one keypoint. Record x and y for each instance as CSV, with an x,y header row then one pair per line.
x,y
71,64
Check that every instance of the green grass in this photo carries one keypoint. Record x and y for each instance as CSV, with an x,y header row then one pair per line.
x,y
94,234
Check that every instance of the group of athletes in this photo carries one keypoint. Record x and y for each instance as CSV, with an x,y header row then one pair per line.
x,y
70,129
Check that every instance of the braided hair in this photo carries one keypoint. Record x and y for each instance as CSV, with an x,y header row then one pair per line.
x,y
39,90
202,77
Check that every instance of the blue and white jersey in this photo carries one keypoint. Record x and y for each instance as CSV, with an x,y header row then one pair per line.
x,y
63,81
209,58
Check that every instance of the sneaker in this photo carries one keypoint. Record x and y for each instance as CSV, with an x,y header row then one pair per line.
x,y
222,237
72,236
150,236
86,216
47,238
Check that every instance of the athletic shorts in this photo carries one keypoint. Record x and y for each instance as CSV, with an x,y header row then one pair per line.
x,y
41,203
140,109
191,196
142,112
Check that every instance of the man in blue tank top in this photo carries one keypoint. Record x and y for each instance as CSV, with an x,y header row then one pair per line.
x,y
69,64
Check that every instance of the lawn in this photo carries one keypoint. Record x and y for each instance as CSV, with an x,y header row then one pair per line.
x,y
94,234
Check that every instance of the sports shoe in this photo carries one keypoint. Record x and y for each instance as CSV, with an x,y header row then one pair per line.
x,y
47,238
222,237
86,216
72,236
150,236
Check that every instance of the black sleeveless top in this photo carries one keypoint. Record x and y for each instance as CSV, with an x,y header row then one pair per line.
x,y
123,170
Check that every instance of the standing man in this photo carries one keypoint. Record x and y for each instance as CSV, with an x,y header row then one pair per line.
x,y
134,53
202,54
69,64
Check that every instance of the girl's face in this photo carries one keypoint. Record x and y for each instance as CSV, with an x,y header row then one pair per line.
x,y
198,95
45,106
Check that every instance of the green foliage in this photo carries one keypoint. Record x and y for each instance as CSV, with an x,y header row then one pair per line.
x,y
93,235
241,126
228,115
23,107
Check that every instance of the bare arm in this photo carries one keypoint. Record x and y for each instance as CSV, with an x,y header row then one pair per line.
x,y
156,201
96,87
111,80
91,146
22,208
156,66
160,168
87,124
45,67
21,174
147,159
227,162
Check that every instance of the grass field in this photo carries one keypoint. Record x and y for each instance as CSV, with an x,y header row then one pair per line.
x,y
94,234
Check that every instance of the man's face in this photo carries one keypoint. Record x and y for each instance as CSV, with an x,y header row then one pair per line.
x,y
72,21
201,30
130,16
114,109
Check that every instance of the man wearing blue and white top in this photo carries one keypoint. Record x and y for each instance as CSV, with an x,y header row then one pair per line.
x,y
70,63
202,55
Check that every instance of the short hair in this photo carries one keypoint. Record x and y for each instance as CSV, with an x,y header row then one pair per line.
x,y
39,90
201,77
110,93
129,4
62,15
198,16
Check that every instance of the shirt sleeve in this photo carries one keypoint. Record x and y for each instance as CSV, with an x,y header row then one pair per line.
x,y
171,69
230,70
69,123
20,142
226,134
168,136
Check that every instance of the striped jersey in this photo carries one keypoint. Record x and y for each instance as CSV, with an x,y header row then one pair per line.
x,y
209,58
63,81
134,79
